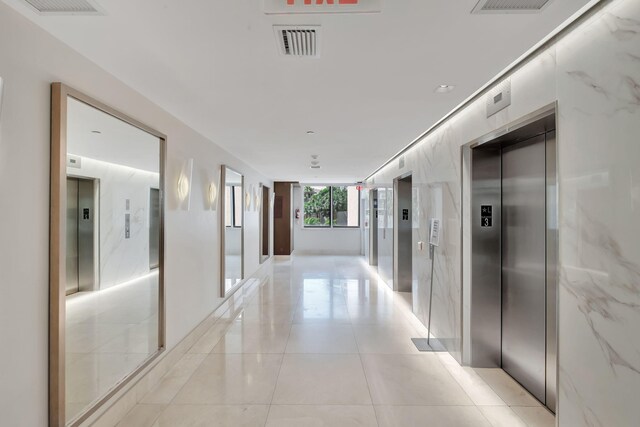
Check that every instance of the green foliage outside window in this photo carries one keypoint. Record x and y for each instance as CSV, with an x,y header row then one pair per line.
x,y
322,205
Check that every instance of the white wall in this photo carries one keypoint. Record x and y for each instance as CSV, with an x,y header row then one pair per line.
x,y
30,60
323,241
594,75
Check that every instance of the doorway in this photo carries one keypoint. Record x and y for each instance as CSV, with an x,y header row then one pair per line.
x,y
154,228
403,234
514,257
81,226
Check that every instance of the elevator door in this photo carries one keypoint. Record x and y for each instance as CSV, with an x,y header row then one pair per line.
x,y
403,236
524,264
154,228
81,223
72,236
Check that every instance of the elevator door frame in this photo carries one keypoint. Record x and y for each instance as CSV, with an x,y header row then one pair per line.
x,y
402,253
474,314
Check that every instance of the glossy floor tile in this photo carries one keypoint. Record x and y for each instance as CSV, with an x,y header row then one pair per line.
x,y
322,379
322,342
321,416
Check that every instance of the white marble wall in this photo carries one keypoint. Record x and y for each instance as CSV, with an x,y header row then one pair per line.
x,y
121,259
594,75
600,209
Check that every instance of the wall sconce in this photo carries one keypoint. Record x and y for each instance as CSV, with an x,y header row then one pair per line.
x,y
183,189
247,197
212,196
256,198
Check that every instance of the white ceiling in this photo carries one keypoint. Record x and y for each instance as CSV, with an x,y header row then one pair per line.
x,y
215,65
118,142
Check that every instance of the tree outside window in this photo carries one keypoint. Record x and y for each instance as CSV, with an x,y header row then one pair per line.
x,y
327,206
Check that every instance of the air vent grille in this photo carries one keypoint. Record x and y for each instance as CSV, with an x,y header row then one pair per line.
x,y
510,6
300,41
65,7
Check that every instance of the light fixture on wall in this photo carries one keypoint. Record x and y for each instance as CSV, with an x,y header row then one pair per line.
x,y
212,196
256,198
183,189
247,198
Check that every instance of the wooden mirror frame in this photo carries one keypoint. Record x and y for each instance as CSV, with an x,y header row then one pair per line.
x,y
222,212
57,254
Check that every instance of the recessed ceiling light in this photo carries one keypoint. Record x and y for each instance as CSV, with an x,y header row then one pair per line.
x,y
315,162
315,167
444,88
314,156
310,132
96,131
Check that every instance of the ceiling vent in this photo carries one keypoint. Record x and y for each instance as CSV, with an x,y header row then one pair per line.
x,y
66,7
298,40
510,6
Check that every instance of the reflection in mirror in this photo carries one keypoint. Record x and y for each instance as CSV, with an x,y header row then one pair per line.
x,y
265,223
113,253
232,243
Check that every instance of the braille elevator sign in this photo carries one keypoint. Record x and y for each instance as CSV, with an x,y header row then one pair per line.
x,y
486,216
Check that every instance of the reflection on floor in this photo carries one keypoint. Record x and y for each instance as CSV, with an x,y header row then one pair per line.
x,y
322,343
108,334
233,271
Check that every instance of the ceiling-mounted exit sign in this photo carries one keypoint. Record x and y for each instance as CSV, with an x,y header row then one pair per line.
x,y
321,6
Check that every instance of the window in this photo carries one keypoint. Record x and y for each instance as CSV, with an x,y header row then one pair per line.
x,y
317,206
233,206
331,206
346,206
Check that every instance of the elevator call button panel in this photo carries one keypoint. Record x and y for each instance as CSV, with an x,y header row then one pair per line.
x,y
486,216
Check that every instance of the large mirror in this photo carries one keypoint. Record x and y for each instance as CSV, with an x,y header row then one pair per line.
x,y
265,223
232,241
106,253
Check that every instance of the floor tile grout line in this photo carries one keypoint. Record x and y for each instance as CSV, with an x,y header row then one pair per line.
x,y
275,386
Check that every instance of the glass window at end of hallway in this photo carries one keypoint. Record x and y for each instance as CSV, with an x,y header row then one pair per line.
x,y
331,206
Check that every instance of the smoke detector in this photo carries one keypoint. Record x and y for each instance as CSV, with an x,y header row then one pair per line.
x,y
298,40
510,6
65,7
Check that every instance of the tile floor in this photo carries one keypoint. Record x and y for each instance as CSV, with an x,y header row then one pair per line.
x,y
323,343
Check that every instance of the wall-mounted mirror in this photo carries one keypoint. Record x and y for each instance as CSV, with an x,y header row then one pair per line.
x,y
265,223
232,232
106,253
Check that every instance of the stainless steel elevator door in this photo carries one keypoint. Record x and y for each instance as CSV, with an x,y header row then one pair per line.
x,y
373,228
524,264
154,228
403,235
72,237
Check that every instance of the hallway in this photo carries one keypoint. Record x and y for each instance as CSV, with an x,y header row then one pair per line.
x,y
322,343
